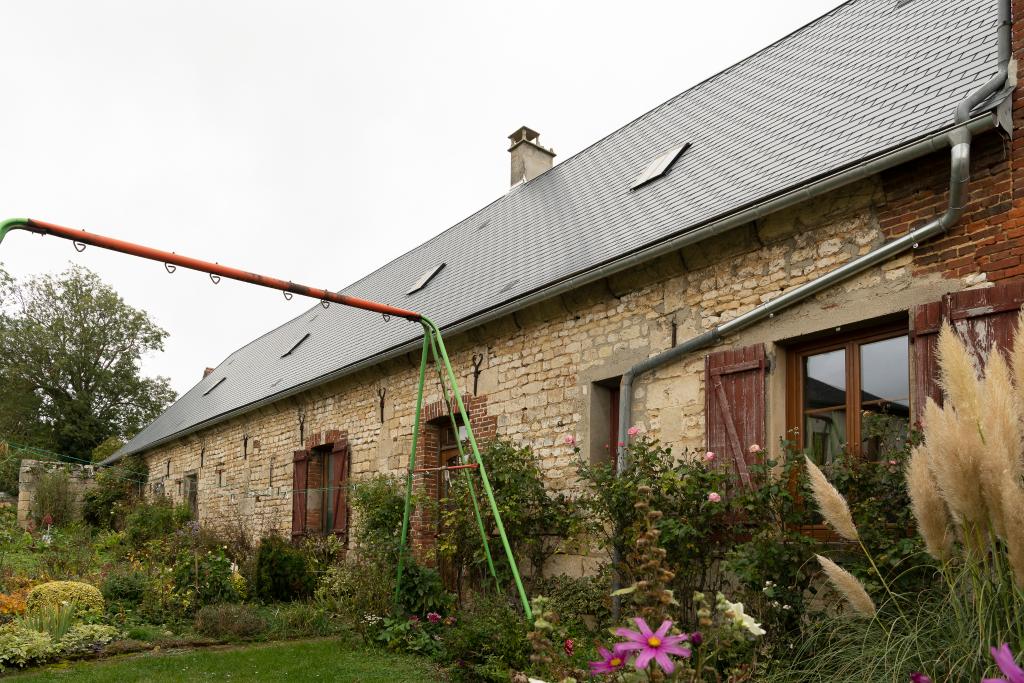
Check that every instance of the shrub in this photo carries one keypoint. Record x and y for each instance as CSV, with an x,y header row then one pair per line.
x,y
282,572
125,586
536,521
20,646
582,603
487,640
87,599
204,578
154,519
68,551
53,497
229,621
82,638
379,504
360,590
422,591
107,504
694,531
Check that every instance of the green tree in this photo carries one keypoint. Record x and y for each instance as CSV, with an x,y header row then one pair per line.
x,y
69,374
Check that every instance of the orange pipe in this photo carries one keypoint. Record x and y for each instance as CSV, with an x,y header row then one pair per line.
x,y
84,237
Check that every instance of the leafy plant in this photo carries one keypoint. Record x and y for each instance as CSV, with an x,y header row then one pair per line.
x,y
422,591
125,587
379,504
486,641
204,578
153,519
537,522
21,646
282,572
54,620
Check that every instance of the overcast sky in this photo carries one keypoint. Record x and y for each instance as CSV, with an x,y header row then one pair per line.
x,y
313,141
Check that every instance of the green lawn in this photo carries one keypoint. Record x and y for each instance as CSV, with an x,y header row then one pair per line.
x,y
321,660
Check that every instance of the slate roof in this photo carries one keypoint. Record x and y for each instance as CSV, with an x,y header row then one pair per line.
x,y
864,78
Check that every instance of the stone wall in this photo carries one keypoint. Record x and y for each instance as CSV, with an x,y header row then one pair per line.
x,y
543,366
81,479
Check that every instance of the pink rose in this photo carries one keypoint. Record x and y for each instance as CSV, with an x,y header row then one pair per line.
x,y
754,448
892,462
570,440
714,497
433,617
633,431
709,457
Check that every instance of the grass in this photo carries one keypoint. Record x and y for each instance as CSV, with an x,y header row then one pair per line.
x,y
326,660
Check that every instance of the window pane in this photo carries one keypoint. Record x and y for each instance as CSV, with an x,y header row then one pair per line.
x,y
825,380
825,405
885,396
825,435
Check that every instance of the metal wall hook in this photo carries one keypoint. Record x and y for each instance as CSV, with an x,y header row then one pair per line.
x,y
287,295
170,267
79,247
387,318
215,279
325,303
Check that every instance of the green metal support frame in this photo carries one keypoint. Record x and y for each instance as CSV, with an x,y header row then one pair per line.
x,y
433,344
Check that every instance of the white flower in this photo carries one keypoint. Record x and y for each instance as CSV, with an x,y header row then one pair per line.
x,y
734,610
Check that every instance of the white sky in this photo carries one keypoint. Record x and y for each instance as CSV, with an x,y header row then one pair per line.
x,y
313,141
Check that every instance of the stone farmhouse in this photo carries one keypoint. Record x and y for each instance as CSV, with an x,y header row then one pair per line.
x,y
768,254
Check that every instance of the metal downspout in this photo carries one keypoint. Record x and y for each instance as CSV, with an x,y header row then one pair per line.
x,y
960,141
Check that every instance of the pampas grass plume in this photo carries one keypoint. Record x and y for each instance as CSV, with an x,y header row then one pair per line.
x,y
930,511
847,584
831,503
959,377
1013,521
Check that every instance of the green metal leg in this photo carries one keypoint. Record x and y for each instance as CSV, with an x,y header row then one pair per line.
x,y
412,466
463,460
483,472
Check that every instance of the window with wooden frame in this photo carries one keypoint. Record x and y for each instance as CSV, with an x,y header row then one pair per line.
x,y
850,393
448,444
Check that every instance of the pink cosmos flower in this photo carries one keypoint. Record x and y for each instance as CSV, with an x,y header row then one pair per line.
x,y
570,440
569,645
709,457
633,431
1004,660
656,645
919,678
714,497
610,662
433,617
754,448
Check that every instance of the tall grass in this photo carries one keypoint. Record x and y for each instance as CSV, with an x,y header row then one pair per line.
x,y
967,495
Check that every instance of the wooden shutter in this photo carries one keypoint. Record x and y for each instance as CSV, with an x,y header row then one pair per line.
x,y
300,469
982,317
734,389
339,482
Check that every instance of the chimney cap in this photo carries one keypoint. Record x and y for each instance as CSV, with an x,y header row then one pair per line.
x,y
524,133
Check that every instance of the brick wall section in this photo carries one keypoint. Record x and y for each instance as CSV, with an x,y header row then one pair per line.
x,y
433,419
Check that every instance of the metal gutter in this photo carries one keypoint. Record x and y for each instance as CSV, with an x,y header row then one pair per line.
x,y
890,159
959,139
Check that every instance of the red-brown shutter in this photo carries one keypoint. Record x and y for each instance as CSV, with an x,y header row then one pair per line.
x,y
300,468
339,482
734,391
982,317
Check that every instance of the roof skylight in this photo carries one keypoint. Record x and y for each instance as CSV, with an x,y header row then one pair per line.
x,y
425,278
660,166
295,345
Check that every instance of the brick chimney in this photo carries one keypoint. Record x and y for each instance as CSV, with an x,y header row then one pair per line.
x,y
529,159
207,371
